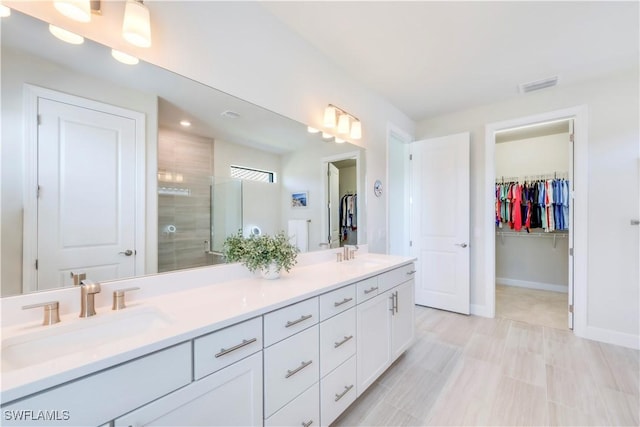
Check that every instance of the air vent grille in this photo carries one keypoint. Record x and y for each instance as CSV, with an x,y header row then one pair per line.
x,y
538,84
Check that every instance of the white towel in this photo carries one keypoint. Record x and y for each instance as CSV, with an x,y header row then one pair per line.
x,y
299,234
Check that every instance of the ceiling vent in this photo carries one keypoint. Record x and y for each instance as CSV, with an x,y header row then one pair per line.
x,y
538,84
230,114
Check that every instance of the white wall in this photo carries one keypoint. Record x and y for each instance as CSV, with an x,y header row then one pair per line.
x,y
18,69
533,156
613,284
241,49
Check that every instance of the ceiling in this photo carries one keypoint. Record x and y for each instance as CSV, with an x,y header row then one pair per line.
x,y
432,58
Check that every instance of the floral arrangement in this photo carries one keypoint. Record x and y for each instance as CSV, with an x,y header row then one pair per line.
x,y
259,252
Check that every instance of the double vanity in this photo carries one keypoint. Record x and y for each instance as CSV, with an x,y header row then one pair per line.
x,y
214,346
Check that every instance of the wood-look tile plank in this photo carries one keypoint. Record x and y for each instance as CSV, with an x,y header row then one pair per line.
x,y
560,415
518,404
623,409
575,390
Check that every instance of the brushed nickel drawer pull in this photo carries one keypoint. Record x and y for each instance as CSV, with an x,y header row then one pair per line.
x,y
224,351
307,424
344,301
298,369
301,319
373,288
341,395
338,344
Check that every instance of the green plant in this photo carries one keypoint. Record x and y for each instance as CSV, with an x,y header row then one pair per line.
x,y
257,252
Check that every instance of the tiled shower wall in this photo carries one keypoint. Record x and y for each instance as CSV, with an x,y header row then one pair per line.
x,y
185,167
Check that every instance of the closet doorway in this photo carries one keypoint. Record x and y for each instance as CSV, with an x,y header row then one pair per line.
x,y
533,167
341,199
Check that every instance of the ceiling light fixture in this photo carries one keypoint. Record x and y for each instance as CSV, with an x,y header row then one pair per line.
x,y
346,123
66,36
4,11
78,10
136,26
125,58
185,123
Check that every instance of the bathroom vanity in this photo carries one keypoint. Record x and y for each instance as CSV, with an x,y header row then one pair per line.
x,y
238,351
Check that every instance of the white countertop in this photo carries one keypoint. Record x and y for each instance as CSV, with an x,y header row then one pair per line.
x,y
187,314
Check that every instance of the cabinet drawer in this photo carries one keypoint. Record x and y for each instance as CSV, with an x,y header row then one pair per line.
x,y
285,322
101,397
337,391
366,289
224,347
304,410
395,277
337,340
229,397
290,367
337,301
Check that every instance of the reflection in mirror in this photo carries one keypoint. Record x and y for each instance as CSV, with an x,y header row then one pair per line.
x,y
181,176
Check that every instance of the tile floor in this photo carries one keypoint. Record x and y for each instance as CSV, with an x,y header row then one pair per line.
x,y
533,306
469,370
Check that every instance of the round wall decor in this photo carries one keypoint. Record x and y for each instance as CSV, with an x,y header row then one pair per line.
x,y
377,188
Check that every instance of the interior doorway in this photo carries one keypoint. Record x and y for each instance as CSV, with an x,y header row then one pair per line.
x,y
342,214
532,166
576,231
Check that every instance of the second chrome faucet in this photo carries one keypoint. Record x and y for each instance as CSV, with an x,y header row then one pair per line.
x,y
88,290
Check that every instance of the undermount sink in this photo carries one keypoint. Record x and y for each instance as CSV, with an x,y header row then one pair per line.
x,y
81,337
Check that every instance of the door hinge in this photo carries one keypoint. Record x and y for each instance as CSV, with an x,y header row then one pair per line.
x,y
570,308
570,251
36,264
410,156
571,137
410,243
38,192
39,119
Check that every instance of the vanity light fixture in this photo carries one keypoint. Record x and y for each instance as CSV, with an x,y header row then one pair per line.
x,y
340,140
125,58
4,11
78,10
326,135
312,130
66,36
346,123
136,26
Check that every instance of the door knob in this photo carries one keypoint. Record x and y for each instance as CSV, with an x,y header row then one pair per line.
x,y
462,245
128,252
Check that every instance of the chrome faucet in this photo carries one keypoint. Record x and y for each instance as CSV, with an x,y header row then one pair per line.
x,y
350,252
88,291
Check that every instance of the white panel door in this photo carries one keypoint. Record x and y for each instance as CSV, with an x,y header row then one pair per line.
x,y
440,221
86,203
334,205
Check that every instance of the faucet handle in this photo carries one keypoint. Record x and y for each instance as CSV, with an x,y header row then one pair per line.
x,y
90,286
118,298
51,312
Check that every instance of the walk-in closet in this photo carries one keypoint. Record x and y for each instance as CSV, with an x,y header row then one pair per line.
x,y
533,218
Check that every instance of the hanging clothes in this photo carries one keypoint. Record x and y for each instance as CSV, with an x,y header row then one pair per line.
x,y
541,204
348,214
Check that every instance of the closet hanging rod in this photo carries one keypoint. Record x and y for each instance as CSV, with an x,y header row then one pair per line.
x,y
536,234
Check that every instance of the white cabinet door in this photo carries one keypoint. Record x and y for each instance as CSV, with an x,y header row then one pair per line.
x,y
229,397
374,340
402,319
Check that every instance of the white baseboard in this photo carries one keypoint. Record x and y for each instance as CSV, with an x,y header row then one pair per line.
x,y
531,285
611,337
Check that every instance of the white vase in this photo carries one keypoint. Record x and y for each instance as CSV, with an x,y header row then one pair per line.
x,y
271,272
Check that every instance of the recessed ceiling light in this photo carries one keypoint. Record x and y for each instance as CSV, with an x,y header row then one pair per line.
x,y
66,36
124,57
185,123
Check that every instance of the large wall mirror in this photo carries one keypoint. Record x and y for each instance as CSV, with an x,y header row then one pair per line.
x,y
95,160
